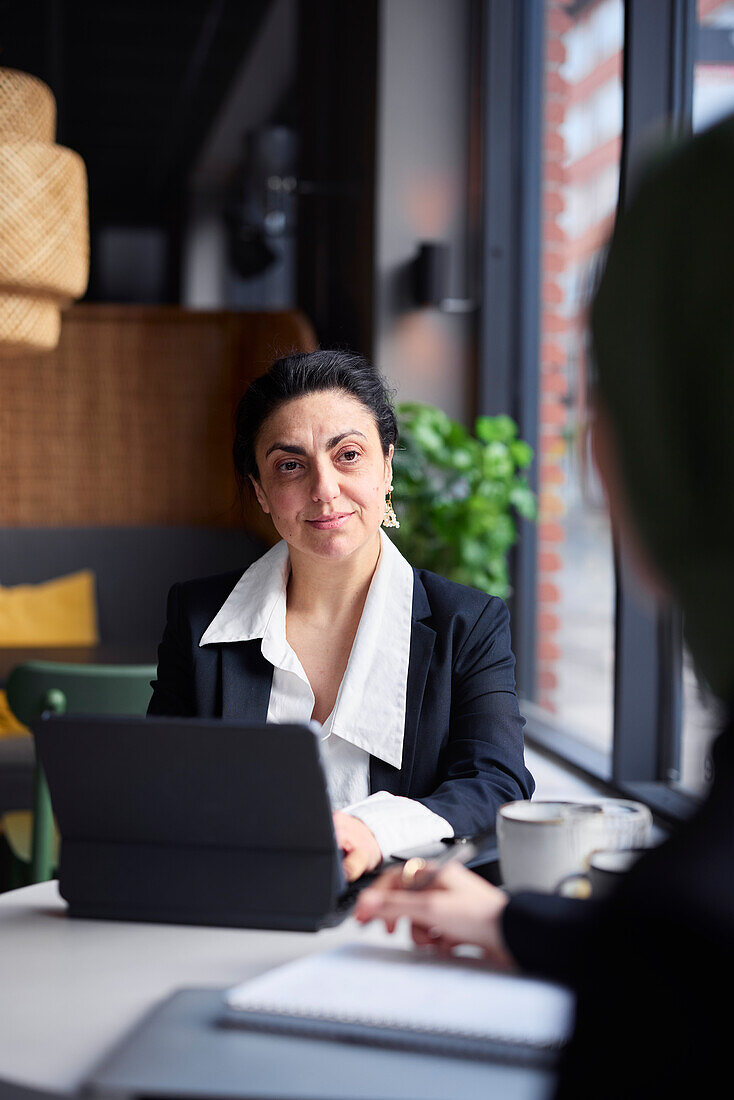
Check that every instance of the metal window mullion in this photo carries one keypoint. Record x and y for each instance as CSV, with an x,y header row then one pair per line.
x,y
527,319
499,213
507,382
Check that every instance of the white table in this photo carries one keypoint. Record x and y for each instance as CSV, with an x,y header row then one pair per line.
x,y
70,989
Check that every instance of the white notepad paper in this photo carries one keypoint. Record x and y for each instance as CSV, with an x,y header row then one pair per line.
x,y
356,990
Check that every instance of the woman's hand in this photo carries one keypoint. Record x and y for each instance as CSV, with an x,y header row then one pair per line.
x,y
458,907
362,852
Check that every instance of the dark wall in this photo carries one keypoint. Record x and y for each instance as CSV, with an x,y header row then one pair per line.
x,y
337,91
138,84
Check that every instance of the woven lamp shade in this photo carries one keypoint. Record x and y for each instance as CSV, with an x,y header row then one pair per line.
x,y
44,221
28,323
27,106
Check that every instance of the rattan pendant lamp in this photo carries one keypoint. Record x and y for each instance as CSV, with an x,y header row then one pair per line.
x,y
44,219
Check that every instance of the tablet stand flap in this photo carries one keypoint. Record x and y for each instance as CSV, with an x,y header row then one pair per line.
x,y
198,885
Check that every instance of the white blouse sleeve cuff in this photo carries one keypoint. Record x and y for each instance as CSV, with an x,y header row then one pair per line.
x,y
399,823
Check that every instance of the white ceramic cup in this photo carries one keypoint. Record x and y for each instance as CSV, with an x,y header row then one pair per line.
x,y
615,823
542,842
539,844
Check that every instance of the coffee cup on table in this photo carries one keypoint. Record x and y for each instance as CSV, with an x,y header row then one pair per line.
x,y
542,843
615,822
605,869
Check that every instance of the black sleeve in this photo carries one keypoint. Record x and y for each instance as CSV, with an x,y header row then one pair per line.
x,y
550,935
172,690
483,763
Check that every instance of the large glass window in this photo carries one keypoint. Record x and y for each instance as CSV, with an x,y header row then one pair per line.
x,y
614,75
580,182
713,75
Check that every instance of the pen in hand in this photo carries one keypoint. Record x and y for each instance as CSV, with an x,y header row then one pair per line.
x,y
419,873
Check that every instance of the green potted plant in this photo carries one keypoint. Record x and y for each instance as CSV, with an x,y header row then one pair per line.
x,y
457,495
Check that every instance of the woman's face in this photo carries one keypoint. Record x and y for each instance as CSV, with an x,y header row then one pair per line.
x,y
323,474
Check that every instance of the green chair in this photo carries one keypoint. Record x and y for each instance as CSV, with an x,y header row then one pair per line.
x,y
40,686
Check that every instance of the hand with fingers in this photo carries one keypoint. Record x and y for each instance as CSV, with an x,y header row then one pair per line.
x,y
361,850
458,907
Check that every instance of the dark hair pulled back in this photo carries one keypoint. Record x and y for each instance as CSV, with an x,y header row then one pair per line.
x,y
300,374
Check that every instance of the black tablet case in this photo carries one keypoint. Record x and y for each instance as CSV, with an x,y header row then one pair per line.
x,y
190,821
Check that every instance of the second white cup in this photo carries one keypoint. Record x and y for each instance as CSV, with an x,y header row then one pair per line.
x,y
542,842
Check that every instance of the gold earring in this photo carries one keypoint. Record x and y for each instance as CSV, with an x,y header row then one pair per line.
x,y
390,519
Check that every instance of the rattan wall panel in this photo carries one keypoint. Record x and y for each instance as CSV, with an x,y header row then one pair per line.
x,y
129,420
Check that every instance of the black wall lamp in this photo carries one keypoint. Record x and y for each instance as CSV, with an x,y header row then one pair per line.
x,y
430,280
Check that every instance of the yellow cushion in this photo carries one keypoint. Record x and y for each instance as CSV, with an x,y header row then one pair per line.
x,y
9,724
18,830
55,613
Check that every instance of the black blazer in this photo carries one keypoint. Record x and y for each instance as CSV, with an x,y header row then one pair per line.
x,y
463,742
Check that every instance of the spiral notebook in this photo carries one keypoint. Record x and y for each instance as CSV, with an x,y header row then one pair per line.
x,y
408,1000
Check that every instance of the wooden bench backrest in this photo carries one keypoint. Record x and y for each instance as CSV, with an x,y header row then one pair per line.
x,y
129,421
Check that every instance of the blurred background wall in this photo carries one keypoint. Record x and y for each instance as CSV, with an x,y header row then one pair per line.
x,y
425,72
272,154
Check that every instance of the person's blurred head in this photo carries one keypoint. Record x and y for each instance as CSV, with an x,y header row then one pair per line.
x,y
663,337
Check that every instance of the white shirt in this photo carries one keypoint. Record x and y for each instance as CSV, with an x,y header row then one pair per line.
x,y
368,718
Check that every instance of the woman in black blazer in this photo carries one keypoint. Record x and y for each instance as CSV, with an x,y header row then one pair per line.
x,y
411,675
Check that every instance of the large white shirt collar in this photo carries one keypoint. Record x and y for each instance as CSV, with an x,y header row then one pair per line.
x,y
370,707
